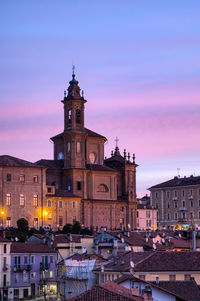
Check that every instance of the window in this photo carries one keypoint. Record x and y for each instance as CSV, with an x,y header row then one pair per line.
x,y
32,259
5,248
17,261
187,277
137,213
78,147
51,274
172,277
60,221
199,203
73,204
35,223
184,215
147,213
191,204
102,188
191,215
78,185
35,200
49,203
51,259
175,193
122,209
121,221
8,177
168,194
148,223
35,179
156,205
183,192
25,260
175,204
16,277
60,204
60,156
69,187
22,178
8,199
191,192
156,195
73,219
49,189
68,147
199,191
183,204
142,277
78,116
25,276
70,116
168,205
175,215
8,222
33,275
168,216
22,200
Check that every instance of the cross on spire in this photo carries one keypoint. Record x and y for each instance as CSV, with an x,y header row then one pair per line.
x,y
73,71
116,140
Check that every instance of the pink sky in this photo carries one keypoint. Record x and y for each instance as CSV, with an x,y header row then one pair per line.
x,y
138,65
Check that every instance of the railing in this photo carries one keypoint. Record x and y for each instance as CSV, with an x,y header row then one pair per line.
x,y
190,197
175,198
44,266
5,267
182,208
21,267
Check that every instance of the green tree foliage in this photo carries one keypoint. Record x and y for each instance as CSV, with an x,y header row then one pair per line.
x,y
76,228
67,228
22,225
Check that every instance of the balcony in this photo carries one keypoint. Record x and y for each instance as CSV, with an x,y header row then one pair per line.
x,y
190,197
182,220
21,267
44,266
5,267
175,198
182,209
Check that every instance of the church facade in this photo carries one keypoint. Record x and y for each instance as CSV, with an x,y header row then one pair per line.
x,y
78,184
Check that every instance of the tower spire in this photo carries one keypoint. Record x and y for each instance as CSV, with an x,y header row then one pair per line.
x,y
73,71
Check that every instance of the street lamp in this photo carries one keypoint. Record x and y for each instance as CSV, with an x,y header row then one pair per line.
x,y
2,215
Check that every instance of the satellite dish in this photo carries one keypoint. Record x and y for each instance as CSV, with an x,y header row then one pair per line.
x,y
132,264
154,246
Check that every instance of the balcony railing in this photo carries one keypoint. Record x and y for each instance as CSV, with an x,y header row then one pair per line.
x,y
44,266
190,197
175,198
21,267
182,208
5,267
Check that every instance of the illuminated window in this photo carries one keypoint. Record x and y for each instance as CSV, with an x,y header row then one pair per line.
x,y
35,179
51,274
69,188
22,178
35,200
22,200
8,199
8,177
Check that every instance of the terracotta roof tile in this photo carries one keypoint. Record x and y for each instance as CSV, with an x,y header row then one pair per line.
x,y
6,160
20,247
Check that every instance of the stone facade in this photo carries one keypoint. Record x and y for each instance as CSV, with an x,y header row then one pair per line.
x,y
177,202
77,185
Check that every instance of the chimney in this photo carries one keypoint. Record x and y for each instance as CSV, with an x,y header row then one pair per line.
x,y
135,291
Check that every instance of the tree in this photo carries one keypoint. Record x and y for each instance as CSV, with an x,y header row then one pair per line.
x,y
22,225
76,228
67,228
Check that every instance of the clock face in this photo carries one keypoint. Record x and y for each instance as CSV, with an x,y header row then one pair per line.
x,y
92,158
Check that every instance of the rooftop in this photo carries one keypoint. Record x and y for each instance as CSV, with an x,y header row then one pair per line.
x,y
176,181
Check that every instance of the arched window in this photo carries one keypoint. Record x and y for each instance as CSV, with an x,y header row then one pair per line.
x,y
78,116
60,156
68,147
78,147
102,188
70,116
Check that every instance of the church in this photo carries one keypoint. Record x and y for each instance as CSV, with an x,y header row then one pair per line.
x,y
78,184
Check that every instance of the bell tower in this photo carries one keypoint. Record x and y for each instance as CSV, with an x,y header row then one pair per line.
x,y
73,107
